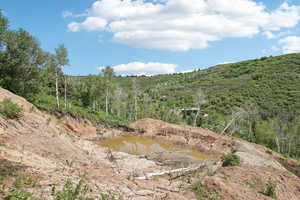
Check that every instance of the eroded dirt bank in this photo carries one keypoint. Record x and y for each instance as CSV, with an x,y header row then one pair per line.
x,y
52,150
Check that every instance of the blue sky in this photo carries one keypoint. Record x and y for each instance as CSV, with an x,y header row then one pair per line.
x,y
164,36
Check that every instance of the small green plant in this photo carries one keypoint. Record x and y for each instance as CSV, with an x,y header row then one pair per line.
x,y
200,191
203,193
71,192
230,160
18,183
76,192
69,163
270,190
269,152
20,195
10,110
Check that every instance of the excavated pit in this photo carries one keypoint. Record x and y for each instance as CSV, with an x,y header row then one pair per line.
x,y
155,150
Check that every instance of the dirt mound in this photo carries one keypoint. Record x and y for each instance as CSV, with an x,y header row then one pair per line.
x,y
249,183
85,131
55,150
207,142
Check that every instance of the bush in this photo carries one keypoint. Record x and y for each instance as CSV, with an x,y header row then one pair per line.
x,y
20,195
10,110
69,191
230,160
77,192
270,190
202,192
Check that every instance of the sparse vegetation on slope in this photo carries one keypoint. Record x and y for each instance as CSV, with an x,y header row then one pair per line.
x,y
230,160
10,110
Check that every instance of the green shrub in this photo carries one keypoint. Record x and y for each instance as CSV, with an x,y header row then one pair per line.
x,y
203,193
76,192
270,190
230,160
10,110
20,195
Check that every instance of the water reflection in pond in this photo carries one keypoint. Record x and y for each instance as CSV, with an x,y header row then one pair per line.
x,y
154,149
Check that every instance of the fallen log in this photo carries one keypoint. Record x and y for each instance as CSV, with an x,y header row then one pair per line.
x,y
169,172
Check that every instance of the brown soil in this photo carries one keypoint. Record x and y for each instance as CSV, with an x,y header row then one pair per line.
x,y
54,150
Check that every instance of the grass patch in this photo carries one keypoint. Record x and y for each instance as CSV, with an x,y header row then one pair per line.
x,y
270,190
202,192
69,191
230,160
48,104
10,110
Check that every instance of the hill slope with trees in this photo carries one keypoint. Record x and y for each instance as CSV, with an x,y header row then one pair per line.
x,y
257,100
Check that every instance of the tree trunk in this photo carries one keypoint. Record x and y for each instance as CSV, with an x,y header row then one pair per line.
x,y
135,107
228,125
56,88
196,117
278,144
106,101
181,170
65,92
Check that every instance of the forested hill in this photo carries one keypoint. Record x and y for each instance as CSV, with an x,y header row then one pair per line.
x,y
259,100
273,83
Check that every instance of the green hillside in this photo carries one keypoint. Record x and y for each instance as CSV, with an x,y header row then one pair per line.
x,y
273,83
270,86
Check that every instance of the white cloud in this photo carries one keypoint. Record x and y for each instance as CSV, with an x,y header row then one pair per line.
x,y
290,44
269,35
90,24
140,68
275,48
68,13
182,25
187,71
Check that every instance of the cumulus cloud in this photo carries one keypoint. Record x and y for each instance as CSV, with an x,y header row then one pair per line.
x,y
140,68
181,25
68,13
90,24
290,44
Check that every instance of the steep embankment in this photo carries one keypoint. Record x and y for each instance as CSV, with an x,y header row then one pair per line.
x,y
51,151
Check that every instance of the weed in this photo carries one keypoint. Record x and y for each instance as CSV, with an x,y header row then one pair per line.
x,y
10,110
209,172
76,192
32,109
48,120
251,185
270,190
17,183
69,163
20,195
230,160
269,152
202,192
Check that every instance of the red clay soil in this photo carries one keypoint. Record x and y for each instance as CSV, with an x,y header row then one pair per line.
x,y
82,130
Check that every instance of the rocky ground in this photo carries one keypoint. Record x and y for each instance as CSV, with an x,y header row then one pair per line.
x,y
52,150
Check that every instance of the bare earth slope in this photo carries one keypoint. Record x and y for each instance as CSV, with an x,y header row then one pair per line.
x,y
55,150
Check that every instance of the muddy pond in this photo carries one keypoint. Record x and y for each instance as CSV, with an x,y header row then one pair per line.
x,y
155,150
